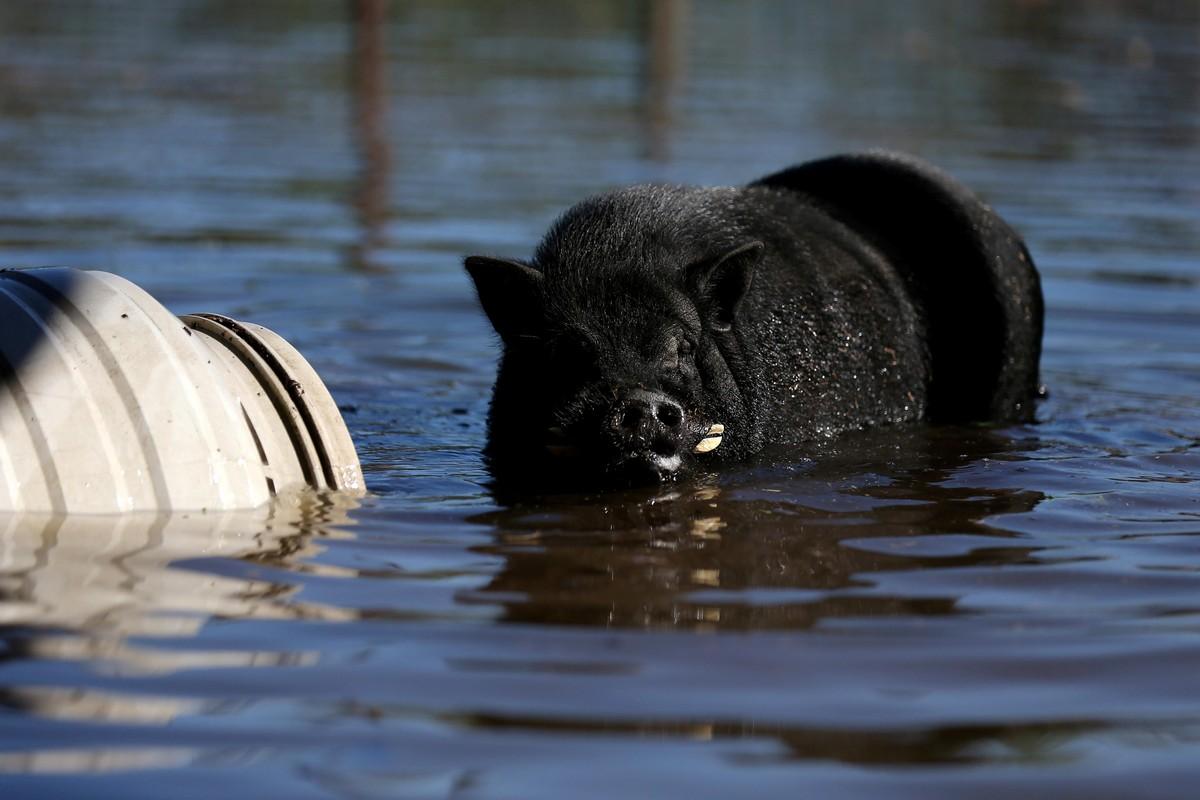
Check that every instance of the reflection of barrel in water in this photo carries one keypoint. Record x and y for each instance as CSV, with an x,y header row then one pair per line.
x,y
767,550
77,588
143,574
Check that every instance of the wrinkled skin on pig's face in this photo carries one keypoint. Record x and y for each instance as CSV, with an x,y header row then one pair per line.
x,y
615,378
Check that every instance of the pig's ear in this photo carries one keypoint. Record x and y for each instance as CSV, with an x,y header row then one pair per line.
x,y
510,293
722,282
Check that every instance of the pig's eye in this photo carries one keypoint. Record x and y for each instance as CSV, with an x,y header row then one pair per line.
x,y
572,352
679,353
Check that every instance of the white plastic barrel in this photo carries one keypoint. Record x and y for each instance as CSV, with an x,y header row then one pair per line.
x,y
110,403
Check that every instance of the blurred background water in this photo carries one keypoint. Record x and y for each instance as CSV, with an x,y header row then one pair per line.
x,y
951,612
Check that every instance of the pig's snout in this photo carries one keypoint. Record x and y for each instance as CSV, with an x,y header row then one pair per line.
x,y
648,429
641,415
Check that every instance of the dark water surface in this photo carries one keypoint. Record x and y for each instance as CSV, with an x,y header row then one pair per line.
x,y
906,614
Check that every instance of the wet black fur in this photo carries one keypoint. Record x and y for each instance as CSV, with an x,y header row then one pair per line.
x,y
883,292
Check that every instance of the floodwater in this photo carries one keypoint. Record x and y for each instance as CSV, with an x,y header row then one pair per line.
x,y
976,613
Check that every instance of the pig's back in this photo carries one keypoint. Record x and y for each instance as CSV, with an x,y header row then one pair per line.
x,y
967,273
837,342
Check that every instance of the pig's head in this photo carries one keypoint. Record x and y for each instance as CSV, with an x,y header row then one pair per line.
x,y
622,370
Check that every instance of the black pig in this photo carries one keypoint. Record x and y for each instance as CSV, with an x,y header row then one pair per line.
x,y
662,327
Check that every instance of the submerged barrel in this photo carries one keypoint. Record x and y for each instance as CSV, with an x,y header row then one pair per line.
x,y
110,403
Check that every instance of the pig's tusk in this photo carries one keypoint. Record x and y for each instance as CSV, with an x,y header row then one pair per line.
x,y
711,440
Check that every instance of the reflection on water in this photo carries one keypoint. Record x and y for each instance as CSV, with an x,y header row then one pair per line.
x,y
94,583
126,575
684,557
910,613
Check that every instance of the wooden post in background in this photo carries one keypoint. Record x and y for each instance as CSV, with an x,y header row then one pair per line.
x,y
369,111
663,72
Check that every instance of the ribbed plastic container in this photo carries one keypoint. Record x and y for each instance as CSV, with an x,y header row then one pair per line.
x,y
110,403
